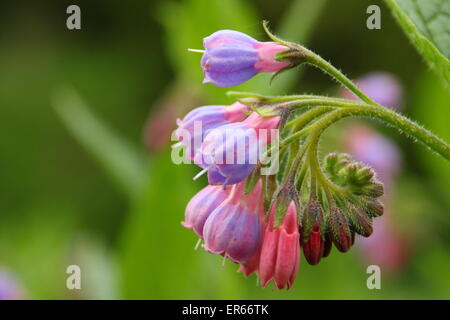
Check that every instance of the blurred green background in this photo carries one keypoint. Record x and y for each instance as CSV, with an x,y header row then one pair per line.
x,y
85,170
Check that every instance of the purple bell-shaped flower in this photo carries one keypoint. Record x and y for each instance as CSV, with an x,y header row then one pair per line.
x,y
234,228
201,205
196,124
231,152
232,57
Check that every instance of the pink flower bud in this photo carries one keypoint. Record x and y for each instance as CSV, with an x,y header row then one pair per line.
x,y
313,248
311,236
280,252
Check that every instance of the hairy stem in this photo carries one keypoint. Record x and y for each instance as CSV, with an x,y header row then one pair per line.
x,y
405,125
317,61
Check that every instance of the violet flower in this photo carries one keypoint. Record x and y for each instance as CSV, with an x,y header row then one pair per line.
x,y
197,123
234,228
232,57
201,205
231,152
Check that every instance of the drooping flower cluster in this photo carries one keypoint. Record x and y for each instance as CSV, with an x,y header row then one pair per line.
x,y
263,221
232,223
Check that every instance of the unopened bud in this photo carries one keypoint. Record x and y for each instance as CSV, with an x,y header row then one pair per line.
x,y
365,227
340,230
360,221
373,190
313,248
312,214
357,174
374,207
364,174
312,232
334,162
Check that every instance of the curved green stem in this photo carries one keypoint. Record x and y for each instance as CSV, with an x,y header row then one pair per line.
x,y
405,125
323,101
317,61
259,98
316,170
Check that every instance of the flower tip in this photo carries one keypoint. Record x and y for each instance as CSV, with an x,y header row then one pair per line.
x,y
186,225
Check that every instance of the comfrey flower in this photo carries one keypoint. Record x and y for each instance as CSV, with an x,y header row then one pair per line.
x,y
232,57
336,198
201,205
252,265
234,228
280,251
231,152
196,124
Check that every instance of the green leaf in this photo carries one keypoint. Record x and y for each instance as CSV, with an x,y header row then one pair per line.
x,y
122,160
427,23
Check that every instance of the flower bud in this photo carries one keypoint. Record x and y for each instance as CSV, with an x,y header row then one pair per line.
x,y
355,173
334,162
233,229
280,251
196,124
201,205
312,231
373,207
340,230
372,190
232,57
361,222
313,248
